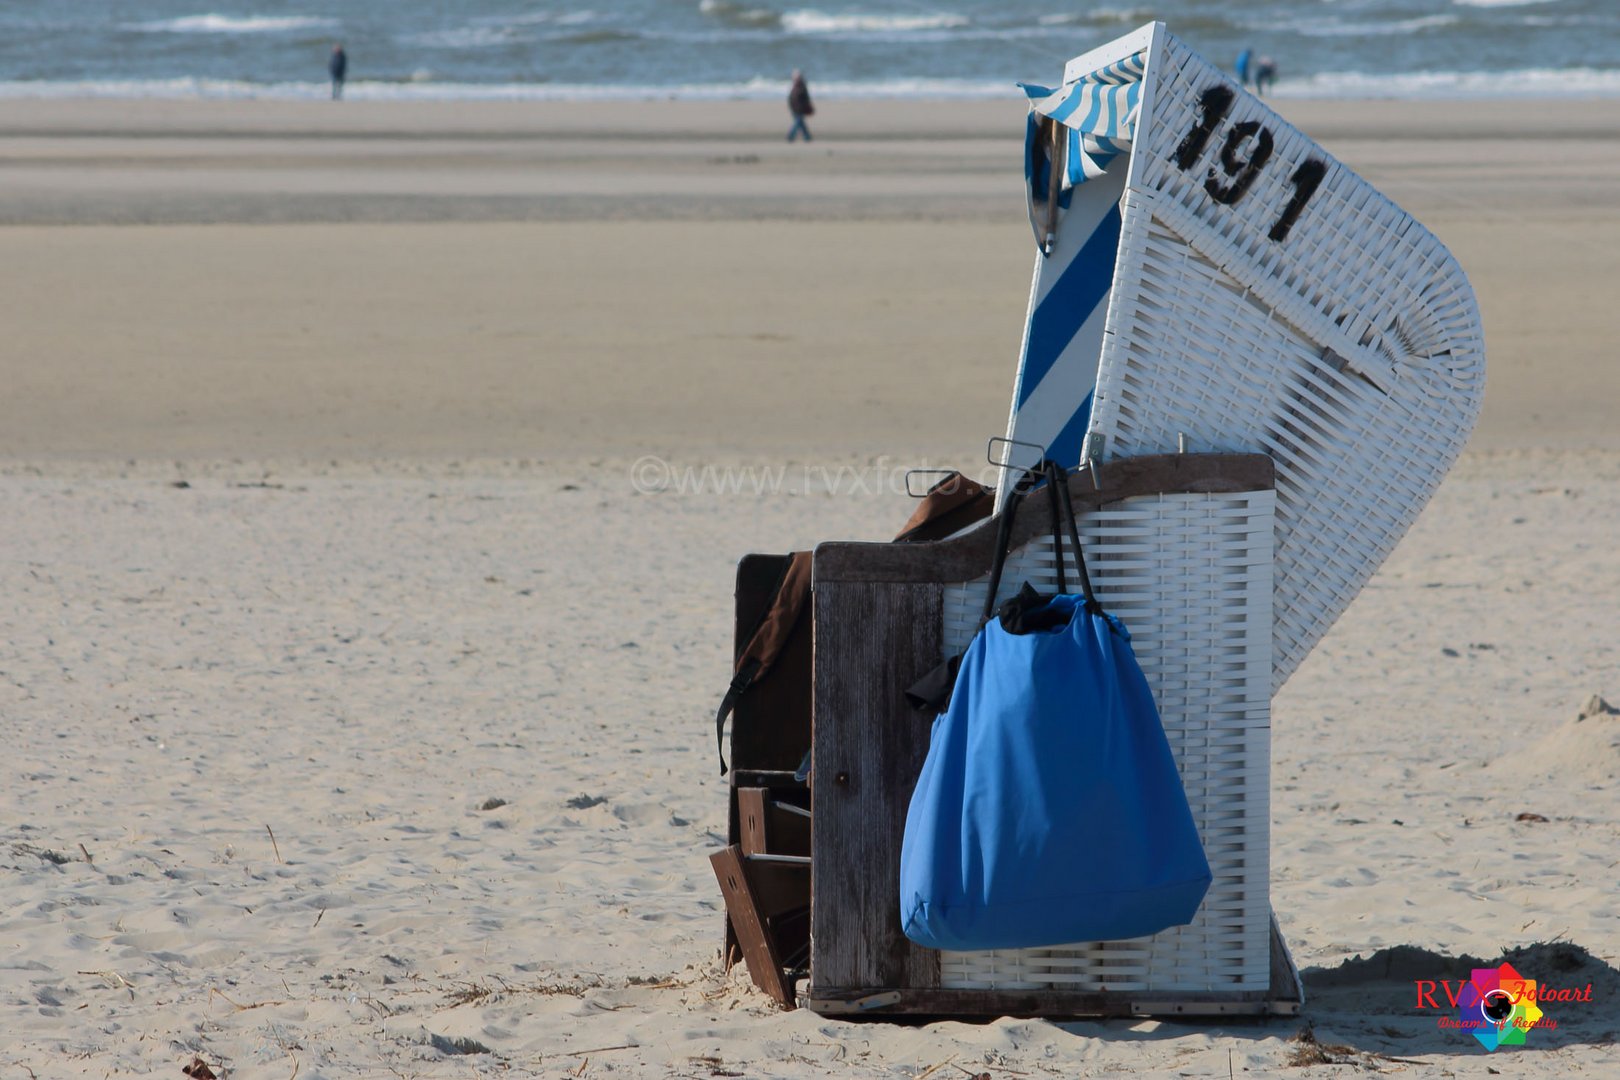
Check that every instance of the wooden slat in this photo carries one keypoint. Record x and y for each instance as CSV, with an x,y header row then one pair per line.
x,y
770,827
751,820
749,906
871,642
966,557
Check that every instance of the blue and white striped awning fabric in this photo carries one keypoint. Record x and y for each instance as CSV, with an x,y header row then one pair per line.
x,y
1074,278
1099,110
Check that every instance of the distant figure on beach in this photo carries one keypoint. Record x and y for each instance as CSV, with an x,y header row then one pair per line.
x,y
1265,73
799,105
339,67
1244,60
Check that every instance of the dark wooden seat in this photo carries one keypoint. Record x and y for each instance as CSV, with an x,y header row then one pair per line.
x,y
767,901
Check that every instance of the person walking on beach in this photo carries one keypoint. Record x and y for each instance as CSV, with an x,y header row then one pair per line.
x,y
1265,73
1245,60
799,105
339,67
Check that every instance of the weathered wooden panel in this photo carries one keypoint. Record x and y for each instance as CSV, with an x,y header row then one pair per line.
x,y
871,642
965,557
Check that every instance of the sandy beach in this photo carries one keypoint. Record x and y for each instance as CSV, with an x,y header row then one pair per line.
x,y
359,704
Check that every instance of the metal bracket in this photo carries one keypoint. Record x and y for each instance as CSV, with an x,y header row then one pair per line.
x,y
1091,449
829,1006
990,453
925,472
1093,445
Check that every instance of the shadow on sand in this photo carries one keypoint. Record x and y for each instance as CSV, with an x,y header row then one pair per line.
x,y
1364,1012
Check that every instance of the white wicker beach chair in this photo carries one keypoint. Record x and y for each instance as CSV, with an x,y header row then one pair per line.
x,y
1262,297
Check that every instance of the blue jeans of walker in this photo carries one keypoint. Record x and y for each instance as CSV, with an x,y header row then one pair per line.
x,y
798,129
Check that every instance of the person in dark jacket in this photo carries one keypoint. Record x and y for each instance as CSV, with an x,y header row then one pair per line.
x,y
1265,73
799,105
339,67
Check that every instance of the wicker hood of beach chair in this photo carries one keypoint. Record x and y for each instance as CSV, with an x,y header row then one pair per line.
x,y
1212,279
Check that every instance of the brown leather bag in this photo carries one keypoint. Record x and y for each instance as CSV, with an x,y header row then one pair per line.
x,y
949,506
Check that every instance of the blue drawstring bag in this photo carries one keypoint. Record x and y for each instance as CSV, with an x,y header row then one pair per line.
x,y
1049,810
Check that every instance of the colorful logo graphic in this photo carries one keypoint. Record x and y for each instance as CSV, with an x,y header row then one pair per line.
x,y
1498,1007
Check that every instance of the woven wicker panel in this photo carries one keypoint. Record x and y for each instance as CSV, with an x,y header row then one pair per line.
x,y
1190,575
1350,349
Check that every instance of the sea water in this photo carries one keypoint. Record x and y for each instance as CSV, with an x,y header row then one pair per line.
x,y
638,49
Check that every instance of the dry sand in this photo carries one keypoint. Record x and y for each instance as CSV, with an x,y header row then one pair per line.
x,y
320,536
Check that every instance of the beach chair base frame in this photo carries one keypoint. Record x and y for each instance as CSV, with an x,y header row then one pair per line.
x,y
1285,997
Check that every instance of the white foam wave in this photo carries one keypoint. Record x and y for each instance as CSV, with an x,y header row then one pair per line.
x,y
821,22
1500,3
468,37
236,24
538,18
417,90
1096,15
1413,85
1340,28
1540,82
730,11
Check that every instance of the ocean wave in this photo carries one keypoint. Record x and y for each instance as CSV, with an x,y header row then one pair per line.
x,y
1500,3
1415,85
735,14
1607,23
415,89
468,37
1340,28
537,18
1099,16
605,36
1351,85
810,21
236,24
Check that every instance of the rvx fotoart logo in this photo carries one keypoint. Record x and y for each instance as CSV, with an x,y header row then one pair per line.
x,y
1497,1006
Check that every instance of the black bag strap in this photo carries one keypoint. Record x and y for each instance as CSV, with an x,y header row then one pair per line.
x,y
1004,538
1074,538
932,693
741,682
1053,469
1061,504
